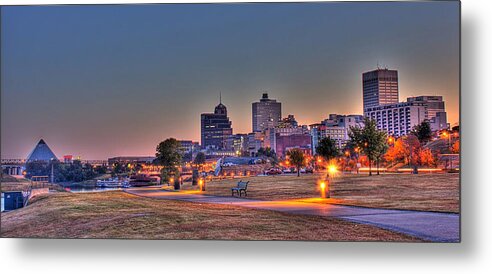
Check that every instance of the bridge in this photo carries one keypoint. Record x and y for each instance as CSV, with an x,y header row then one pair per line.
x,y
17,166
13,166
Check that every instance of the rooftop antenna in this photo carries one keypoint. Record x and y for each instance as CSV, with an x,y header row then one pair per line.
x,y
377,64
220,97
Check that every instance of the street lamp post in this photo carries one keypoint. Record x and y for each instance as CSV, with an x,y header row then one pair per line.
x,y
347,161
357,158
201,184
447,135
52,173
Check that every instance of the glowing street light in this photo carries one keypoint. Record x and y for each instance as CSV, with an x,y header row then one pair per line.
x,y
201,184
332,170
391,140
357,149
322,186
447,135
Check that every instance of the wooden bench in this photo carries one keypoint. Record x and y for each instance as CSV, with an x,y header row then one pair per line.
x,y
240,188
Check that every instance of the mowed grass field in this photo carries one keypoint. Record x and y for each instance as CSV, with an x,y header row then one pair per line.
x,y
427,192
116,214
24,185
15,186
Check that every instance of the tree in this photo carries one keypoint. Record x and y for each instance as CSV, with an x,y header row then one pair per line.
x,y
397,153
118,168
413,147
426,158
169,156
423,132
269,153
370,140
455,148
380,149
101,169
199,158
327,149
296,157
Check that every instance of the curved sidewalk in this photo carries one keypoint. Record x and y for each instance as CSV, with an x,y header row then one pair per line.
x,y
431,226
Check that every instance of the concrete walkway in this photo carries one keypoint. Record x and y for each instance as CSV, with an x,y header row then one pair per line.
x,y
437,227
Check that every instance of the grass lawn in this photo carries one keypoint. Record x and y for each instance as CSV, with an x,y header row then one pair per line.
x,y
15,186
429,192
23,185
116,214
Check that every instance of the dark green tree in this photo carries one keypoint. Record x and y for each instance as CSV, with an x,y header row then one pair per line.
x,y
370,140
187,157
269,153
327,149
63,172
380,150
100,170
168,155
423,132
199,159
296,157
119,168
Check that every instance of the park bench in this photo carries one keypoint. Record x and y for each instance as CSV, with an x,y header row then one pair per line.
x,y
240,188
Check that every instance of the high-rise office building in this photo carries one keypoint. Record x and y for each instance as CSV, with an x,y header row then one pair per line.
x,y
216,128
397,119
336,127
238,143
435,110
289,121
379,87
433,104
266,113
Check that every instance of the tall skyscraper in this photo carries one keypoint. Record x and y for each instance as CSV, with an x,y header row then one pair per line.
x,y
216,128
266,113
379,87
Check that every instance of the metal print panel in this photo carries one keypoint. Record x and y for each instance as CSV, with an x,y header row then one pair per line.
x,y
326,121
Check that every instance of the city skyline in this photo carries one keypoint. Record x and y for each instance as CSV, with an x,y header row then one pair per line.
x,y
84,112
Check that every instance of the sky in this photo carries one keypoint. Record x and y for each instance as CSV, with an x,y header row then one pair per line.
x,y
99,81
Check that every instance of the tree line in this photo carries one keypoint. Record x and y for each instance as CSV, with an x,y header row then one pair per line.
x,y
64,172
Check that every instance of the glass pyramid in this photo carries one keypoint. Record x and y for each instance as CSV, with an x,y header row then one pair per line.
x,y
41,152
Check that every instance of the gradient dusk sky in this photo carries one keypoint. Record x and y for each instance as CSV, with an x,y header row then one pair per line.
x,y
112,80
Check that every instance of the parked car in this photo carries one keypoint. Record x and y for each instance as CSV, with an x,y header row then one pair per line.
x,y
273,171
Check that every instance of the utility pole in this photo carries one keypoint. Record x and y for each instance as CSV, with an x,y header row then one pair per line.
x,y
52,172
